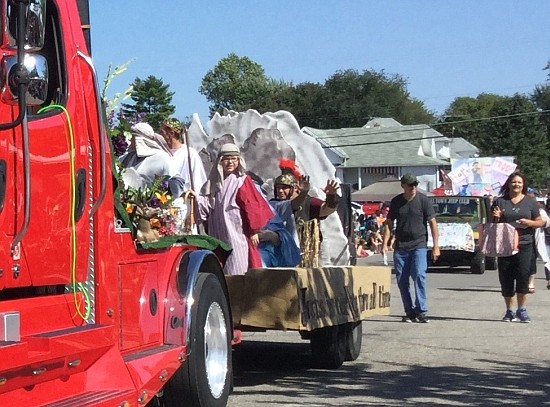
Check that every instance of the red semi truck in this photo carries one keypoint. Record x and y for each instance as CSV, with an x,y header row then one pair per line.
x,y
87,317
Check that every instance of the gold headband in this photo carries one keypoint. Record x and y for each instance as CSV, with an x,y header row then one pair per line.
x,y
174,124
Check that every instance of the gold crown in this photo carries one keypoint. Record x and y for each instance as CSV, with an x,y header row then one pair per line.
x,y
174,124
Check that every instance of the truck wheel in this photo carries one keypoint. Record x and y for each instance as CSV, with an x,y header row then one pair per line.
x,y
205,378
477,266
491,263
328,347
354,339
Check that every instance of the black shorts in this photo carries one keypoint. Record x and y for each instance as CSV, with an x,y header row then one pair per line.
x,y
514,271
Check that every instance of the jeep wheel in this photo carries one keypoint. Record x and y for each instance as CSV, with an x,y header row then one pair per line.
x,y
477,266
491,263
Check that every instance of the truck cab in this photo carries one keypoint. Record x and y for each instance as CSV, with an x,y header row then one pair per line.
x,y
87,317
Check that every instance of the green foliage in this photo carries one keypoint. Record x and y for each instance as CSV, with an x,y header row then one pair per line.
x,y
347,99
152,102
354,97
541,98
463,109
235,83
116,128
112,104
153,203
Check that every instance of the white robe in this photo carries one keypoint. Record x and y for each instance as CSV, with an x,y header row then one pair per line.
x,y
540,242
225,223
180,158
147,168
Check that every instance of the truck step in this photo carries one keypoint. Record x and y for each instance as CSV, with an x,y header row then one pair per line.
x,y
160,363
57,344
96,399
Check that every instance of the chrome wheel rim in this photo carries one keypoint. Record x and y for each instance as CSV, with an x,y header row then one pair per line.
x,y
215,349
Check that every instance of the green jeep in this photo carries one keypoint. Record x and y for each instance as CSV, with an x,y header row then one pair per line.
x,y
458,218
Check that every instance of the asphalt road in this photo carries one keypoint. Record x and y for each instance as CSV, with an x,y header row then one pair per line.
x,y
464,357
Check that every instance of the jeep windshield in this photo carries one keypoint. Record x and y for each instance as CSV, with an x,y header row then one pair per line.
x,y
459,209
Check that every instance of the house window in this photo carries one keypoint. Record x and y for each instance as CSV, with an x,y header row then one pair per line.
x,y
381,170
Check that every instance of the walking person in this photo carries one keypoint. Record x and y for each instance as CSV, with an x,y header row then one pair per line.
x,y
514,207
540,247
412,212
546,231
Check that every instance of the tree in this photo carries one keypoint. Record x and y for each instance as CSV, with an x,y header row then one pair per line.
x,y
152,102
466,117
304,101
235,83
347,99
354,98
503,125
541,97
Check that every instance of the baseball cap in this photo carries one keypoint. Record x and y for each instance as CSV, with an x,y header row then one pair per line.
x,y
409,179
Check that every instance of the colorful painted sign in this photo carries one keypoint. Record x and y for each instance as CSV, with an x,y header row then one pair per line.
x,y
480,176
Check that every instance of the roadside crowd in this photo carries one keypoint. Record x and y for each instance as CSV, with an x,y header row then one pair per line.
x,y
369,230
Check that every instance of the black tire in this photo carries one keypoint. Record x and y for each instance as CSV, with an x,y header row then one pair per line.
x,y
354,340
328,347
477,266
205,379
491,263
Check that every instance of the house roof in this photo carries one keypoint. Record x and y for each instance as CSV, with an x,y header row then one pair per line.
x,y
381,191
379,146
461,148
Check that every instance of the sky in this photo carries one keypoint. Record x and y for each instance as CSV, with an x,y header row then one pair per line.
x,y
445,49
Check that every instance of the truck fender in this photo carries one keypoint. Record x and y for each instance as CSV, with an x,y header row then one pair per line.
x,y
191,264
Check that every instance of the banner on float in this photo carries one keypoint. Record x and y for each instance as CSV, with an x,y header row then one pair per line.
x,y
480,176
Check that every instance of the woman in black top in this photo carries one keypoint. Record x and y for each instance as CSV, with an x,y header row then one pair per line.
x,y
514,207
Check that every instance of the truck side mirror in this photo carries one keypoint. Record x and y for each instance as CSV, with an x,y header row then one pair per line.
x,y
37,89
35,25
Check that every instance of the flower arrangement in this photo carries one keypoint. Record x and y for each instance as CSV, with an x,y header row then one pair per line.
x,y
152,210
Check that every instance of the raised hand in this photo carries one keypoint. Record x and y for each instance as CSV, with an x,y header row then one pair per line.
x,y
303,183
331,187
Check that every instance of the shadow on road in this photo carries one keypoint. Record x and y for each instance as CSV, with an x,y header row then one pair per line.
x,y
288,366
472,290
397,319
449,270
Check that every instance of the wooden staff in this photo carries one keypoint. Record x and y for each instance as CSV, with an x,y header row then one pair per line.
x,y
191,215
